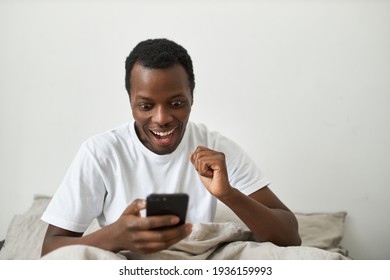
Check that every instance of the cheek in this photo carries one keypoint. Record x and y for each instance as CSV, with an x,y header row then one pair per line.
x,y
184,115
140,119
138,115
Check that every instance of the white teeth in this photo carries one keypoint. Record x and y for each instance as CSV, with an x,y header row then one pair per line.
x,y
162,134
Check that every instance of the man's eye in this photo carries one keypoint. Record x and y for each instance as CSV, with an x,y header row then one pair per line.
x,y
144,106
177,103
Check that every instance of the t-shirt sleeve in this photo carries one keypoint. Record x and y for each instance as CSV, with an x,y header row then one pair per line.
x,y
80,196
243,172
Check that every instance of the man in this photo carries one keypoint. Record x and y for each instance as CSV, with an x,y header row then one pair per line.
x,y
160,152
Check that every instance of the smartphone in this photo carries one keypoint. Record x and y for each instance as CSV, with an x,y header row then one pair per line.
x,y
167,204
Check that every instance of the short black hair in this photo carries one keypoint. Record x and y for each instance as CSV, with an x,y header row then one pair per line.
x,y
159,54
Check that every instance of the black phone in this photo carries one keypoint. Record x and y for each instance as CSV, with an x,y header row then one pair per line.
x,y
167,204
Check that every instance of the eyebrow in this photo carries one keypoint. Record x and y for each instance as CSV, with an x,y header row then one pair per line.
x,y
181,95
143,98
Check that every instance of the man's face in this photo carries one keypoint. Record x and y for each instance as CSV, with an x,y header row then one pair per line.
x,y
161,104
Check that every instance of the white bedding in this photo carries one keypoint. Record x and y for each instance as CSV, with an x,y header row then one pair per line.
x,y
227,238
214,241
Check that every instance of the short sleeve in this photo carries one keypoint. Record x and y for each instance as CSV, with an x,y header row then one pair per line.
x,y
243,172
80,196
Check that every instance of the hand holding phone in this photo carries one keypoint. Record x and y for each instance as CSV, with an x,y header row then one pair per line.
x,y
168,204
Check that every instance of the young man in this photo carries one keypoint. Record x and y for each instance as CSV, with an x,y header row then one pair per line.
x,y
160,152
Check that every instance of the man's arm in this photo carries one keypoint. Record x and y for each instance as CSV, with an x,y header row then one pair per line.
x,y
129,232
265,215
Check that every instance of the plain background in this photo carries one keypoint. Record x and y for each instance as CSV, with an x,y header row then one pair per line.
x,y
303,86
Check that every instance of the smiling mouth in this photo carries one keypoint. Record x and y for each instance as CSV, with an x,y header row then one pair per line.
x,y
163,135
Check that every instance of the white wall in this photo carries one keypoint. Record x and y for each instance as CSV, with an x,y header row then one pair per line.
x,y
304,86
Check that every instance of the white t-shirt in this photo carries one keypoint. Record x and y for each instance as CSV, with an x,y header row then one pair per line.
x,y
112,169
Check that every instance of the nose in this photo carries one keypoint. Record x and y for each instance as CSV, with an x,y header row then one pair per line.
x,y
162,115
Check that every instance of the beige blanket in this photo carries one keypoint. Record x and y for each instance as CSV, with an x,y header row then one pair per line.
x,y
214,241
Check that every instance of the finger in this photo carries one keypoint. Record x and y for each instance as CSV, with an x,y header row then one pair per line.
x,y
135,207
155,222
204,169
197,150
160,234
157,240
206,163
202,148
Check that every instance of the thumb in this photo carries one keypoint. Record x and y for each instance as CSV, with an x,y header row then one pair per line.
x,y
134,208
191,158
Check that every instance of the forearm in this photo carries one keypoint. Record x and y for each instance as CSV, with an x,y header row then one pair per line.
x,y
275,225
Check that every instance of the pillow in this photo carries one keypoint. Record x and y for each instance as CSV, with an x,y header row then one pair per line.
x,y
320,230
26,232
